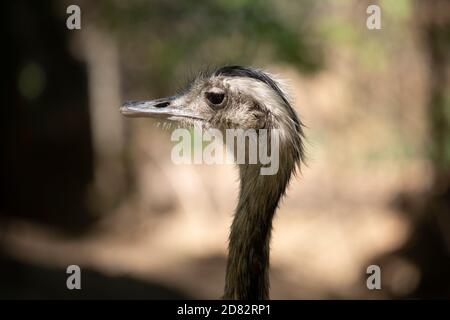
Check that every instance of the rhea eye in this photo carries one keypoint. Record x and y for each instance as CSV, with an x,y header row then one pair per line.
x,y
215,98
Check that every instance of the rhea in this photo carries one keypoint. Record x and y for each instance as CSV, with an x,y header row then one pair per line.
x,y
235,97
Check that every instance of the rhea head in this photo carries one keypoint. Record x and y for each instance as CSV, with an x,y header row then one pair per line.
x,y
231,97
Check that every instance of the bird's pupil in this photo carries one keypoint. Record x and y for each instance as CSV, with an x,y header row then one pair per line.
x,y
215,98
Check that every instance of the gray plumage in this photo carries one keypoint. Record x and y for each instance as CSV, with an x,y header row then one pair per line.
x,y
235,97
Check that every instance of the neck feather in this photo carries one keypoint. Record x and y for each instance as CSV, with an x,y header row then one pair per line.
x,y
247,275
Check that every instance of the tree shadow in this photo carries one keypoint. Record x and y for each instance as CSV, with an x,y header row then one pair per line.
x,y
22,280
421,267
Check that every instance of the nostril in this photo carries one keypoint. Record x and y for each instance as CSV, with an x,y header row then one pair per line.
x,y
162,104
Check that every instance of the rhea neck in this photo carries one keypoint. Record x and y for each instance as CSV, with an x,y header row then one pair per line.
x,y
247,274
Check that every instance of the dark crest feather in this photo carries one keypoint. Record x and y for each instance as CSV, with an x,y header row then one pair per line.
x,y
240,71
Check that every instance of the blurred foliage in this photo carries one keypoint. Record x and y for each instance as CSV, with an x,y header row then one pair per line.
x,y
165,35
398,10
31,81
434,19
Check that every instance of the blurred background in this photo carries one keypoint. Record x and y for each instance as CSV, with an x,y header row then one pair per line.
x,y
82,185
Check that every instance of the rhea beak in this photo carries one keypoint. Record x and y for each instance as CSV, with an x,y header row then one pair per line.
x,y
169,108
